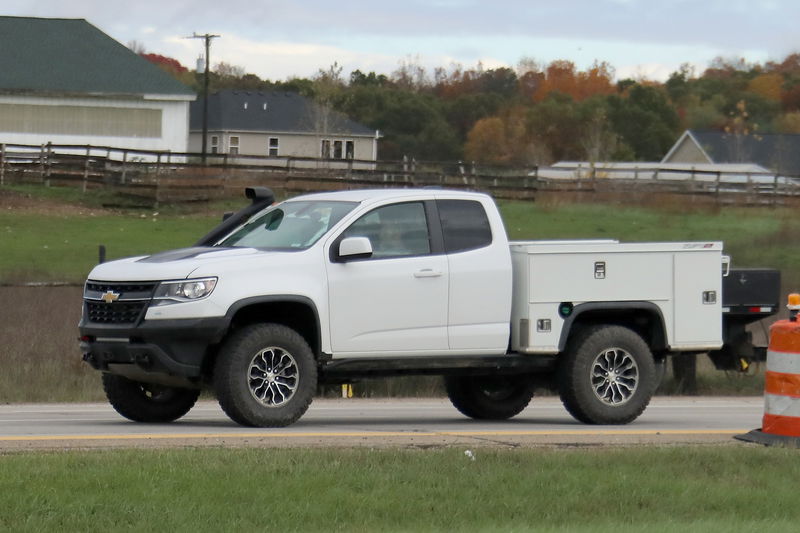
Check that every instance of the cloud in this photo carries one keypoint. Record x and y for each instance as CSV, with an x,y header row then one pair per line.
x,y
278,39
276,60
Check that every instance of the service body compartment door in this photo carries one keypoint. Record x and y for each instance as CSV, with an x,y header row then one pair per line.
x,y
698,299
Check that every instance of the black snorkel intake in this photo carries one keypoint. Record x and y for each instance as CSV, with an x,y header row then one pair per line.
x,y
260,197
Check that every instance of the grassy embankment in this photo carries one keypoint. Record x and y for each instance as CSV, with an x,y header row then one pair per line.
x,y
735,488
38,245
63,247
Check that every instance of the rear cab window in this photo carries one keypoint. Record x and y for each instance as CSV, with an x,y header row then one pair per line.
x,y
465,225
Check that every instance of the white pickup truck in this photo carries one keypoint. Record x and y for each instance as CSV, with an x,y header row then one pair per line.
x,y
334,287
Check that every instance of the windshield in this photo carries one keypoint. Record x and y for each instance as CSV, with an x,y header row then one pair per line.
x,y
289,226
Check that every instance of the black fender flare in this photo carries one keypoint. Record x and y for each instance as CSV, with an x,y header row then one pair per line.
x,y
627,307
277,299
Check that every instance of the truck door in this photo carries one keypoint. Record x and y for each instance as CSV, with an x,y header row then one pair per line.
x,y
480,278
395,302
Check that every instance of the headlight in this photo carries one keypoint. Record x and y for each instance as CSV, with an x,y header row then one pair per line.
x,y
172,292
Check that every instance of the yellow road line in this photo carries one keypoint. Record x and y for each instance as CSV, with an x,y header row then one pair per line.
x,y
379,434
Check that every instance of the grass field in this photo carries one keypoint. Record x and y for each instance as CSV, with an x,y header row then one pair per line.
x,y
753,237
38,246
730,488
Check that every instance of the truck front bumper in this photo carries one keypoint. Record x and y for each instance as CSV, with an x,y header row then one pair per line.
x,y
159,351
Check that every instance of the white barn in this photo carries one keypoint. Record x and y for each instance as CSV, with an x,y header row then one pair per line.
x,y
63,81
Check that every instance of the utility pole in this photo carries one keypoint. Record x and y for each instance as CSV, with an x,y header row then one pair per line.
x,y
207,38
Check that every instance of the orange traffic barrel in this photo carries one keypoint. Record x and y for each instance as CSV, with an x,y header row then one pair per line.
x,y
781,422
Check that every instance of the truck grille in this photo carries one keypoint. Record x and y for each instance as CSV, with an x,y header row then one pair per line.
x,y
116,303
114,313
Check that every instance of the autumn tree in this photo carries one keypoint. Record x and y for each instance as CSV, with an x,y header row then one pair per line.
x,y
788,123
171,66
768,86
562,76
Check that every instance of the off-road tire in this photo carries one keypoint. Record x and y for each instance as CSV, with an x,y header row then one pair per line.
x,y
581,382
489,397
241,377
145,402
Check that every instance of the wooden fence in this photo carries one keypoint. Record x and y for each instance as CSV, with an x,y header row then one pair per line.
x,y
155,177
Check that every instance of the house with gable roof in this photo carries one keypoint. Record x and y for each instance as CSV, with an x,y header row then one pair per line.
x,y
66,82
275,124
779,153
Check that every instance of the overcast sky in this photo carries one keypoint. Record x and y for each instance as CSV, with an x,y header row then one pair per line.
x,y
281,39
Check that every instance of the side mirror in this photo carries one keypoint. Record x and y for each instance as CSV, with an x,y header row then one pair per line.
x,y
355,248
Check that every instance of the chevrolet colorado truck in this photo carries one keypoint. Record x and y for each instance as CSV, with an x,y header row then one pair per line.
x,y
340,286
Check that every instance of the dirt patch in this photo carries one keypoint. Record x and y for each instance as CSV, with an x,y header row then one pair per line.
x,y
26,203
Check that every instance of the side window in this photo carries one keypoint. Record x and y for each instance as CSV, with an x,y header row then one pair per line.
x,y
397,230
464,225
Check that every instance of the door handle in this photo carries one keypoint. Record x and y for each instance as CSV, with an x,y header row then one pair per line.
x,y
427,273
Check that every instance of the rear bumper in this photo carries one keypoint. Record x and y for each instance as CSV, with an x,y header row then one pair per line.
x,y
153,350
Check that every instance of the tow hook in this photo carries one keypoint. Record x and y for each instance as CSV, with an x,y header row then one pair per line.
x,y
144,361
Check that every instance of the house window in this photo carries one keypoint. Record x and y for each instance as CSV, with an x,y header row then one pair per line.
x,y
214,144
350,150
273,146
325,151
337,149
234,145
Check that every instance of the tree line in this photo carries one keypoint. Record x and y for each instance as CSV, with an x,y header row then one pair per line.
x,y
538,114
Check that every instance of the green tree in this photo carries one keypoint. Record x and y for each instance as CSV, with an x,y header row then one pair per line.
x,y
555,127
645,121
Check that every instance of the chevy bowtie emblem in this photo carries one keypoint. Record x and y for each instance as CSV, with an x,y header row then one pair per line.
x,y
110,296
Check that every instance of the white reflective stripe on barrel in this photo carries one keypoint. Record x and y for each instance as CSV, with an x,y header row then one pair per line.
x,y
781,405
785,363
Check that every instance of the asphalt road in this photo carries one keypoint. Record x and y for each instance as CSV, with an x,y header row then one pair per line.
x,y
379,423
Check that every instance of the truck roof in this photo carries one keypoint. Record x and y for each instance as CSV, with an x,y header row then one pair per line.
x,y
363,195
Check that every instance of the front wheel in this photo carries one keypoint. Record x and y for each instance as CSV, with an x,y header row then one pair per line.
x,y
265,376
489,397
146,402
607,375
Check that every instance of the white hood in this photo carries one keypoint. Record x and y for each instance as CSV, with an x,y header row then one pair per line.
x,y
174,264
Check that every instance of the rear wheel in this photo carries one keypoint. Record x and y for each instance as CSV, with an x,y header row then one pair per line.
x,y
265,376
489,397
607,375
146,402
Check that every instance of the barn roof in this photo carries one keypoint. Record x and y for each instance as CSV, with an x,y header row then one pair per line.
x,y
271,111
52,56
